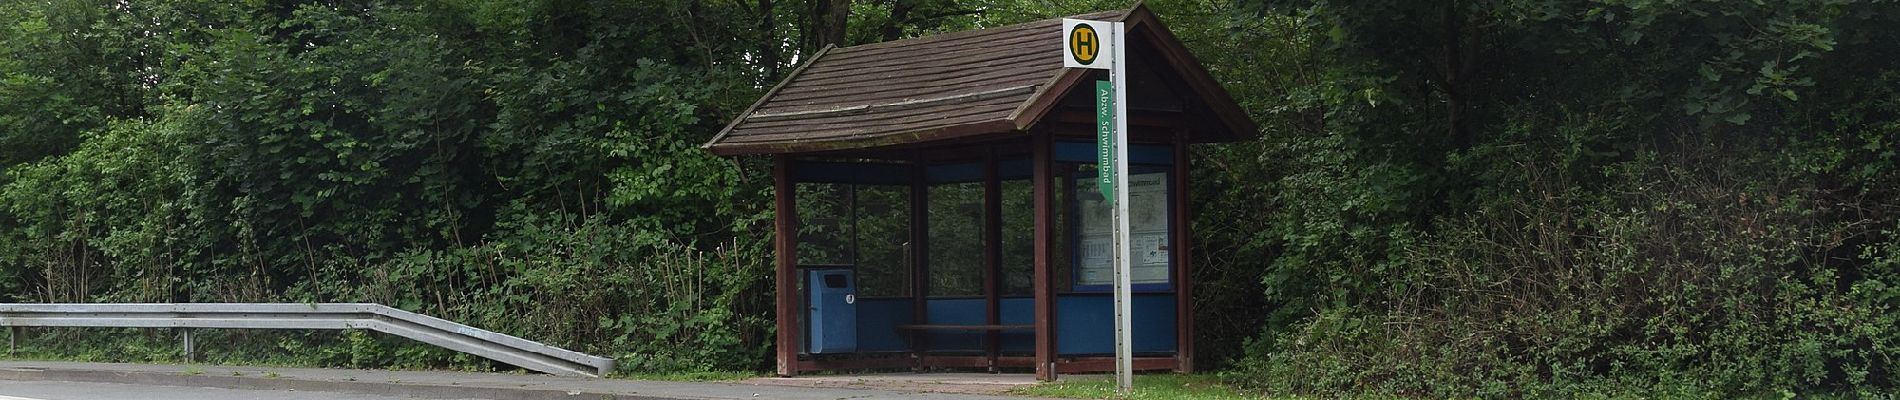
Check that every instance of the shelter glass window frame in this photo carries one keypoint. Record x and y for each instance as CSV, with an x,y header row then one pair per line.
x,y
1078,161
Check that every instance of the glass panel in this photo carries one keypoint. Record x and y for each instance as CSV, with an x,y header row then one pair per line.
x,y
956,239
883,236
1019,238
823,224
1065,207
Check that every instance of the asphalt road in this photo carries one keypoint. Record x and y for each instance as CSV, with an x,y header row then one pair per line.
x,y
55,380
46,390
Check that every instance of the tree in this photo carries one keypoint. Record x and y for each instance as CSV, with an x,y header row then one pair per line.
x,y
829,22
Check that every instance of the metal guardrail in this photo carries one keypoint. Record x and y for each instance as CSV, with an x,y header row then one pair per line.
x,y
376,317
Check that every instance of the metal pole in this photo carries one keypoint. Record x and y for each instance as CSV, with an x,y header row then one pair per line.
x,y
191,353
1124,330
13,336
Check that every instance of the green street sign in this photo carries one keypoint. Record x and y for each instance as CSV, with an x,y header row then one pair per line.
x,y
1105,139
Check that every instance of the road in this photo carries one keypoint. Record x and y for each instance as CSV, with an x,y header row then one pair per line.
x,y
48,390
55,380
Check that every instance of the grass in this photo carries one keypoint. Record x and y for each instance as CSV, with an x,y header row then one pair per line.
x,y
1147,387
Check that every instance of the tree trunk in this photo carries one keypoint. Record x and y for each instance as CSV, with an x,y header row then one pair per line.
x,y
828,20
894,27
768,42
1454,71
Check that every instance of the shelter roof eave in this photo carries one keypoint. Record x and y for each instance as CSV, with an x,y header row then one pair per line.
x,y
1009,91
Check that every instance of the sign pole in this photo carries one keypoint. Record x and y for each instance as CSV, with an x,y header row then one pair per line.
x,y
1124,328
1083,47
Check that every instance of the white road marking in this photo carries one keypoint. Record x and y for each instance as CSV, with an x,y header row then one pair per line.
x,y
6,397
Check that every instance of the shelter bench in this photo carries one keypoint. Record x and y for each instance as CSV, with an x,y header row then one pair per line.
x,y
964,328
915,330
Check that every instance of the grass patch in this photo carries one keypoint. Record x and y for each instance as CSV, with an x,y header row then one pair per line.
x,y
1156,387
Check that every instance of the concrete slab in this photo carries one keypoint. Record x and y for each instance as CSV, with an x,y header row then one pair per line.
x,y
459,385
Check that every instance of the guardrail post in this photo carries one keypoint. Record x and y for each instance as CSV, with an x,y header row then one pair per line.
x,y
13,335
191,354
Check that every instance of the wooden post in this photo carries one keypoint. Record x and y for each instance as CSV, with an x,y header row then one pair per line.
x,y
992,255
920,261
1045,242
785,242
1183,265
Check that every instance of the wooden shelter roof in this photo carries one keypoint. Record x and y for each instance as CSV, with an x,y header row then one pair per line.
x,y
981,82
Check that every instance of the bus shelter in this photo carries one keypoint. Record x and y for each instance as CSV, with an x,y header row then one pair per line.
x,y
936,206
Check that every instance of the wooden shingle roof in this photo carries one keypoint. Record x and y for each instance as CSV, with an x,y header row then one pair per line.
x,y
954,85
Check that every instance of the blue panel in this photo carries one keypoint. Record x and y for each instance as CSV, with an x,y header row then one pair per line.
x,y
1084,152
973,172
1019,168
957,312
834,314
877,324
858,173
954,173
878,320
1085,324
1019,311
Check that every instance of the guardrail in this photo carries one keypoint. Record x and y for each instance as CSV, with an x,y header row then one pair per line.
x,y
375,317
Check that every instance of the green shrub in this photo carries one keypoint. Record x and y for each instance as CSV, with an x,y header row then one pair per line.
x,y
528,168
589,286
1668,283
1530,199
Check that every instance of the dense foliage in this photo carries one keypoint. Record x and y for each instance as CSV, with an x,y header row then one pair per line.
x,y
1544,199
525,167
1491,198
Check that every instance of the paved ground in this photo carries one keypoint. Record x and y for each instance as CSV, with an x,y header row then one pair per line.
x,y
53,390
467,385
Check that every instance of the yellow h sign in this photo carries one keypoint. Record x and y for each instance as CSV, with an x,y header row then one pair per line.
x,y
1087,44
1084,44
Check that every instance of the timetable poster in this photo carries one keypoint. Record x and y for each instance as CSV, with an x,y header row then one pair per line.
x,y
1148,232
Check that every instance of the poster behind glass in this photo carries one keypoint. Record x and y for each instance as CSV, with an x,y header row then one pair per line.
x,y
1148,233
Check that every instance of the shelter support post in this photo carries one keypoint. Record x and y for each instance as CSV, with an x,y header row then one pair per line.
x,y
993,257
1183,265
920,259
1043,174
785,244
